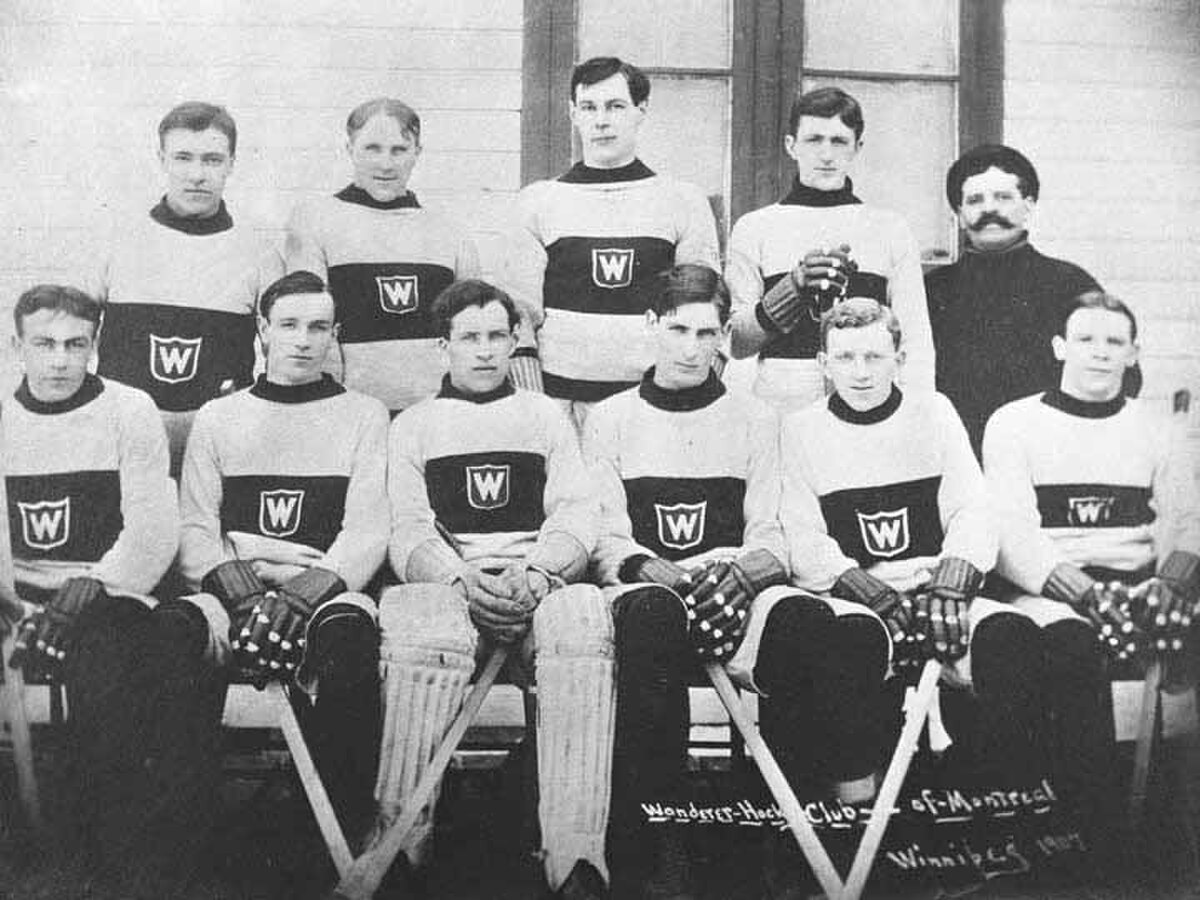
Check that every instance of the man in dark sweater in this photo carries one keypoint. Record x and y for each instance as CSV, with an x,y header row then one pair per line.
x,y
993,312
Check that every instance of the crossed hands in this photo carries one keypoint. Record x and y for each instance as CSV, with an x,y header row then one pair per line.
x,y
502,605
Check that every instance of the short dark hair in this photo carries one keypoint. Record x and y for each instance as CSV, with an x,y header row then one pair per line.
x,y
825,103
598,68
986,156
299,282
61,298
198,116
406,117
464,294
859,312
1097,300
686,283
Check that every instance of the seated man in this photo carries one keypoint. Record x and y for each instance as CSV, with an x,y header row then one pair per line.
x,y
93,527
492,521
1094,498
285,517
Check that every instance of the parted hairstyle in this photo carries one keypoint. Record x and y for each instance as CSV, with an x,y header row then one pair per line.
x,y
299,282
464,294
826,103
598,68
406,117
199,116
1097,300
687,283
859,312
61,298
979,159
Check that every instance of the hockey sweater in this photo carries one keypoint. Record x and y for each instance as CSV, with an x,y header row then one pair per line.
x,y
487,479
1095,484
890,490
287,474
683,473
579,259
766,245
384,263
88,491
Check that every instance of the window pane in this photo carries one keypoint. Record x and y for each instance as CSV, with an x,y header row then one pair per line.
x,y
909,142
674,33
910,36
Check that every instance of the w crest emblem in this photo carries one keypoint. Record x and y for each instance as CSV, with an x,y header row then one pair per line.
x,y
279,512
1087,512
174,359
612,267
885,534
487,486
398,294
681,525
45,525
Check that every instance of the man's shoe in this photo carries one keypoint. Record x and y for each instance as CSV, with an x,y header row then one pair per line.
x,y
584,883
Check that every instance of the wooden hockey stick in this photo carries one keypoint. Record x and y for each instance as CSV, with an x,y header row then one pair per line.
x,y
1144,749
366,872
801,828
881,812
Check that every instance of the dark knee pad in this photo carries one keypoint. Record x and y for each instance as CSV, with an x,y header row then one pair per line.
x,y
1008,653
796,630
1073,653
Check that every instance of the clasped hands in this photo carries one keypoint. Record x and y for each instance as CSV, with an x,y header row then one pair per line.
x,y
502,604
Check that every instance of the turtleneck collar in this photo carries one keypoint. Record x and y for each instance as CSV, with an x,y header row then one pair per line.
x,y
803,195
581,174
684,399
296,393
1021,243
214,224
847,413
1085,409
352,193
450,392
91,388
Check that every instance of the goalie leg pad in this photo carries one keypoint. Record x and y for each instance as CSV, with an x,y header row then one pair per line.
x,y
573,642
427,657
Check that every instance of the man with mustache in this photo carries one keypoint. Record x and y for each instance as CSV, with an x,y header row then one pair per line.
x,y
994,310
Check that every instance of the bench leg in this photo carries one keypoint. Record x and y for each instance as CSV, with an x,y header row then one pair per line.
x,y
12,710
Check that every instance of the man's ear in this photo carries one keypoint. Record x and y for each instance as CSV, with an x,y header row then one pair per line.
x,y
789,145
1059,345
337,330
263,324
823,362
651,318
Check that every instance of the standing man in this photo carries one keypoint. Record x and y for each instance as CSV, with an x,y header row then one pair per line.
x,y
788,262
587,242
179,285
94,525
994,310
492,526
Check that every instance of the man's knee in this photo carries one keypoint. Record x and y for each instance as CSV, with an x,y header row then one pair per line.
x,y
1007,650
648,613
427,623
574,621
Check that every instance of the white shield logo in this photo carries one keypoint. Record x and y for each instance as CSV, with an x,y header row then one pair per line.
x,y
1090,511
398,294
174,359
885,533
681,526
279,512
46,525
612,267
487,486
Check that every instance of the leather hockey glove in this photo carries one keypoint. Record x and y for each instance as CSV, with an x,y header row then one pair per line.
x,y
1106,605
1165,605
895,608
45,638
241,593
277,631
940,608
525,370
719,604
819,280
655,570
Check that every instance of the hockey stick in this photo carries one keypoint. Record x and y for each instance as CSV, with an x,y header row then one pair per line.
x,y
797,821
881,812
314,788
1144,749
366,872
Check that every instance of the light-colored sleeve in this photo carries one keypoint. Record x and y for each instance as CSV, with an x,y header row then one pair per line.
x,y
817,560
602,456
906,292
417,550
466,256
525,256
743,274
360,547
1027,554
963,502
1176,495
697,243
149,536
763,483
201,545
568,534
303,247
